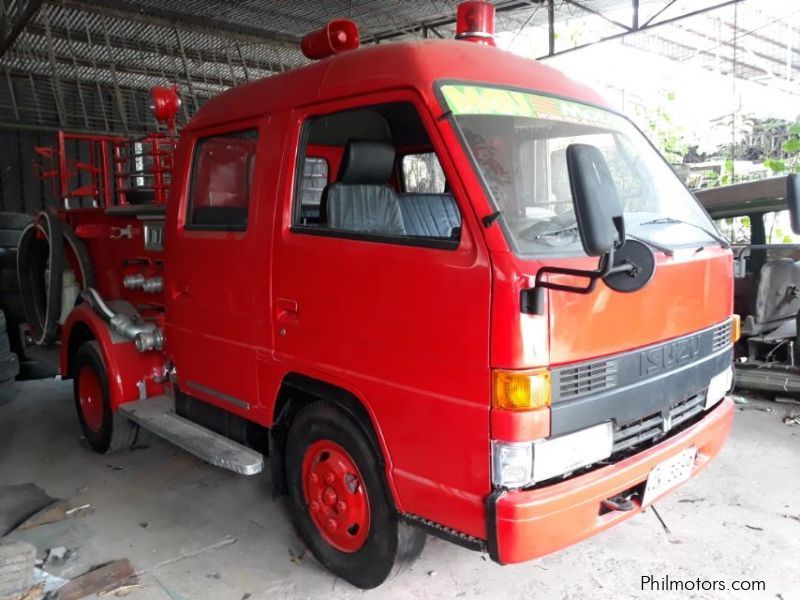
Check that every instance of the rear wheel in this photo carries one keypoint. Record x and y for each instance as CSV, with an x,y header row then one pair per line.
x,y
105,431
340,502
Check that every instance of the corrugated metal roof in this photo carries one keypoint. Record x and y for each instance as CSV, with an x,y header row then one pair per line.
x,y
88,64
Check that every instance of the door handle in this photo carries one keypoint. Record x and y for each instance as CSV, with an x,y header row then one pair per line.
x,y
288,305
288,311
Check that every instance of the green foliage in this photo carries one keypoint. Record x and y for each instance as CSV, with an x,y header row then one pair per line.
x,y
775,165
791,146
727,176
665,134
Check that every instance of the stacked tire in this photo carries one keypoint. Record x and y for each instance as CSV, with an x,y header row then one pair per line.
x,y
9,364
11,226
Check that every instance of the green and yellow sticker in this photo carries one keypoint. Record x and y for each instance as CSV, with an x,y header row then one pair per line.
x,y
480,100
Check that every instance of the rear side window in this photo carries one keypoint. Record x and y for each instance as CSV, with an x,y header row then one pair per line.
x,y
313,181
422,174
222,181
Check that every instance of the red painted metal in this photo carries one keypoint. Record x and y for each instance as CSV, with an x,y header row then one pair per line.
x,y
534,523
475,22
412,333
90,395
165,104
335,496
337,36
125,367
76,182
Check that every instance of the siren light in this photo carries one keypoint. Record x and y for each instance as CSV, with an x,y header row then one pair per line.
x,y
337,36
475,22
165,104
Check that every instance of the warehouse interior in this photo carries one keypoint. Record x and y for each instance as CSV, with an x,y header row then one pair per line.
x,y
713,86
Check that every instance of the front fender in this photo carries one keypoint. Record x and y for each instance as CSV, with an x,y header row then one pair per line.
x,y
125,366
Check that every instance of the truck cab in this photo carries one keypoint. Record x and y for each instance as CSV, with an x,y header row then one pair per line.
x,y
758,217
433,287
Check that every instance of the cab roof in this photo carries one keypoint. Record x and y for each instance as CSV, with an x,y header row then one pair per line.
x,y
415,65
746,198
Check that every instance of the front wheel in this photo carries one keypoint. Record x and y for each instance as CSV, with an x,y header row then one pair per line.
x,y
340,502
105,431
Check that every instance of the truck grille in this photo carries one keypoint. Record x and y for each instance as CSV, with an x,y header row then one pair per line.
x,y
587,379
600,375
653,427
722,335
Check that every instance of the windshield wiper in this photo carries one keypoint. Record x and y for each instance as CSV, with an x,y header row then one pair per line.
x,y
653,245
645,241
670,220
557,232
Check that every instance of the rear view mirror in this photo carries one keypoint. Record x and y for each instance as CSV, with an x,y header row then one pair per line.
x,y
625,266
793,200
597,207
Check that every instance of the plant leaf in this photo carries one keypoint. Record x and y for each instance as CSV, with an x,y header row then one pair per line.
x,y
774,165
792,145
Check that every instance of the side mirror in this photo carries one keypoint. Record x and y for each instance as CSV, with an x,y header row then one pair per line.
x,y
625,266
793,200
594,196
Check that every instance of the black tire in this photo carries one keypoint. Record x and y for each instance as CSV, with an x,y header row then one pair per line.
x,y
7,391
390,544
37,260
17,561
9,364
14,220
2,322
114,433
11,226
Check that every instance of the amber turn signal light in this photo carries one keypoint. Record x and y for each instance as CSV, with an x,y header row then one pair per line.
x,y
736,328
521,390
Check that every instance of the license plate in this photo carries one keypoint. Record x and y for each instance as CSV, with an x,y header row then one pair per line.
x,y
668,474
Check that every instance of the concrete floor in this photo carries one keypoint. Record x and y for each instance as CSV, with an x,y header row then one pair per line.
x,y
197,532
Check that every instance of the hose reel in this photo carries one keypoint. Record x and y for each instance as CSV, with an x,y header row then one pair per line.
x,y
41,261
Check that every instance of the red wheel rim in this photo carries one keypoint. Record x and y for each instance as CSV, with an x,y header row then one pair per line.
x,y
335,496
90,395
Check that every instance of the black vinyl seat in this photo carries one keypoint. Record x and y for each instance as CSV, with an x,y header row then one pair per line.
x,y
360,200
430,215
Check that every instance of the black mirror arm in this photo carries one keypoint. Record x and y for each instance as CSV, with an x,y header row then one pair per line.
x,y
532,299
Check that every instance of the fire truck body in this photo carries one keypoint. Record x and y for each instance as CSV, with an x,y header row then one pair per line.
x,y
263,324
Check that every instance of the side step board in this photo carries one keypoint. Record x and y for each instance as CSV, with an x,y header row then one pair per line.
x,y
157,414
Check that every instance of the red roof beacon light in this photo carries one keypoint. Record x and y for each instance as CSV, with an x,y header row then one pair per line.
x,y
337,36
165,104
475,22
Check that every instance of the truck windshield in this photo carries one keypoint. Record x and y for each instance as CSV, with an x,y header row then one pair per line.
x,y
518,142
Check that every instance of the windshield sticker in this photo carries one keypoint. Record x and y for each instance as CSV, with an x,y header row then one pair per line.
x,y
478,100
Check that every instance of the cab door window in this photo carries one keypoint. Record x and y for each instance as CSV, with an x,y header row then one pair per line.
x,y
389,186
222,181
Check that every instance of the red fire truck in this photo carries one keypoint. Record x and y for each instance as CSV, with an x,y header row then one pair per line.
x,y
432,286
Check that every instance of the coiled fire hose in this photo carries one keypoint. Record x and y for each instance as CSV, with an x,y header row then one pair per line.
x,y
41,262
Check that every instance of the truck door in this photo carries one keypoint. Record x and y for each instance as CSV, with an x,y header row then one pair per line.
x,y
385,291
216,265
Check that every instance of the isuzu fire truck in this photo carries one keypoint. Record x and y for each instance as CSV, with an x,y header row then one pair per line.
x,y
432,286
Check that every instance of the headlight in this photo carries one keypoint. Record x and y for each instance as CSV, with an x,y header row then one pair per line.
x,y
719,386
512,464
517,464
572,451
